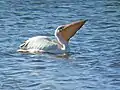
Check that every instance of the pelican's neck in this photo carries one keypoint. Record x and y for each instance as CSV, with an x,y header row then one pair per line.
x,y
61,41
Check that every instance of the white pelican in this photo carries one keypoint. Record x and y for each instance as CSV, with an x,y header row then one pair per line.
x,y
40,44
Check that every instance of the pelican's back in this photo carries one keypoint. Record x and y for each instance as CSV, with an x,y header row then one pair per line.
x,y
39,43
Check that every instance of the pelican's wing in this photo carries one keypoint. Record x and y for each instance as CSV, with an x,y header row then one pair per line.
x,y
39,43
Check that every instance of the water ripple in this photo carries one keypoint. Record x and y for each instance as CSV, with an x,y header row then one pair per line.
x,y
93,61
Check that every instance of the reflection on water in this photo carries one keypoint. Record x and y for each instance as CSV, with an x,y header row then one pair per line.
x,y
93,63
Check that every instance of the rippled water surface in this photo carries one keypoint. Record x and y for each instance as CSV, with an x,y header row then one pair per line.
x,y
94,63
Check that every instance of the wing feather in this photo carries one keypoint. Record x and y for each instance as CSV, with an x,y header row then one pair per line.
x,y
39,42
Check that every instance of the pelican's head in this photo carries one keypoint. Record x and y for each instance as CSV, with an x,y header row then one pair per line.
x,y
67,31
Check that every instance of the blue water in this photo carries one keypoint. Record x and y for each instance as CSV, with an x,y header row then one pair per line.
x,y
94,63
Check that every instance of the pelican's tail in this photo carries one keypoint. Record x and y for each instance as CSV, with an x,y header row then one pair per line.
x,y
22,47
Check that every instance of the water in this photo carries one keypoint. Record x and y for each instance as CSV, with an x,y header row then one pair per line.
x,y
94,62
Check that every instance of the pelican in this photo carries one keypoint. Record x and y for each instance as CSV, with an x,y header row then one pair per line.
x,y
41,44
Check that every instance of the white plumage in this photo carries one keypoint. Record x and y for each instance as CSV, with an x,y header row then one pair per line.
x,y
40,44
63,34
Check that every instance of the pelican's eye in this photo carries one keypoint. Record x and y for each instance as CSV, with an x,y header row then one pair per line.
x,y
60,28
